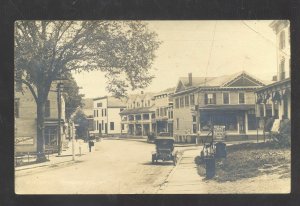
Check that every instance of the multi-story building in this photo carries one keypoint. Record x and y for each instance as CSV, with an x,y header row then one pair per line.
x,y
164,111
229,100
26,117
107,120
278,94
138,119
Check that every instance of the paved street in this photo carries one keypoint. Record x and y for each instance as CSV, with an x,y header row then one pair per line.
x,y
115,166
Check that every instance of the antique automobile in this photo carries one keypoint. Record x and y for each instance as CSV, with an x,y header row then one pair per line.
x,y
164,150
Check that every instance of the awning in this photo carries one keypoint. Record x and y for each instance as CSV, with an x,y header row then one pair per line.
x,y
138,110
239,107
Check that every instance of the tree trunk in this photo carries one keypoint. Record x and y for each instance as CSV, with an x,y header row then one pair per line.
x,y
41,157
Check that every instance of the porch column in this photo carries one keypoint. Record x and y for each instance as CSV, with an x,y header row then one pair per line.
x,y
280,109
134,129
142,128
246,122
150,126
273,108
265,110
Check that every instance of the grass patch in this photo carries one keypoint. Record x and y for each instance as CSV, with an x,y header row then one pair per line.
x,y
250,160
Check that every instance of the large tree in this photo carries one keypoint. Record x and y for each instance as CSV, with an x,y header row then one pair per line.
x,y
47,50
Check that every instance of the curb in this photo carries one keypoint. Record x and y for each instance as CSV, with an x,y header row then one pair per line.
x,y
46,165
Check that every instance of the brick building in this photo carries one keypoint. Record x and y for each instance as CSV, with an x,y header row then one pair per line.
x,y
228,100
25,120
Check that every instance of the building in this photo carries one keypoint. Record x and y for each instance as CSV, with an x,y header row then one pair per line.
x,y
107,120
228,100
278,94
163,103
25,120
138,119
88,110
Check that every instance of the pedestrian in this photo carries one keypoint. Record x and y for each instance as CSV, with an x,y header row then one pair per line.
x,y
91,144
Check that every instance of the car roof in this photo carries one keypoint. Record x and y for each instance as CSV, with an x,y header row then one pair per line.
x,y
165,138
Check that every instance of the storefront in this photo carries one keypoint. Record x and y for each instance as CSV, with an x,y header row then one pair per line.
x,y
237,119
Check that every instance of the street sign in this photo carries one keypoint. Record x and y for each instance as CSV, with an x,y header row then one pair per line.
x,y
219,132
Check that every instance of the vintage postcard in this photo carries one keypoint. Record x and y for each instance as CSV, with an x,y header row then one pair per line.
x,y
152,107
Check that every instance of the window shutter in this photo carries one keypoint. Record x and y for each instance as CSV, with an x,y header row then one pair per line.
x,y
214,98
205,99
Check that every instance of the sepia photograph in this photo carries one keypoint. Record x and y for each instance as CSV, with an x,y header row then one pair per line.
x,y
152,107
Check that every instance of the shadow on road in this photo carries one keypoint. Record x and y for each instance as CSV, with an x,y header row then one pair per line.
x,y
158,163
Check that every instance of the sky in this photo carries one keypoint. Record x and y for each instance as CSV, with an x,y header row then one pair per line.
x,y
203,48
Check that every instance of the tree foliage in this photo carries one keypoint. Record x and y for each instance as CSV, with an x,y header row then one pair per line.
x,y
124,50
48,50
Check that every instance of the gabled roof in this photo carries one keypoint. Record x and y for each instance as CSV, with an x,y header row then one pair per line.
x,y
115,102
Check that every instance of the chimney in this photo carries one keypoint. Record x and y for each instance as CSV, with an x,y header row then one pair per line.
x,y
190,79
274,79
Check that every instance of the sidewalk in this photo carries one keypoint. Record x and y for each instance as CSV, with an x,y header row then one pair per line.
x,y
184,179
80,149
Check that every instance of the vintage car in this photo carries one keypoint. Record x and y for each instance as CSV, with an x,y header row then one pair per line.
x,y
164,150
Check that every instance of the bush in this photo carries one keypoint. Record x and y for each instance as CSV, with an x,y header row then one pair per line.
x,y
283,138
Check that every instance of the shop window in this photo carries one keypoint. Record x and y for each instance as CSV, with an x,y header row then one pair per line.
x,y
225,98
47,108
241,98
252,122
187,101
192,99
112,126
210,98
17,108
181,102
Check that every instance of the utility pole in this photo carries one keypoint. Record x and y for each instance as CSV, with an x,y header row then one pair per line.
x,y
59,117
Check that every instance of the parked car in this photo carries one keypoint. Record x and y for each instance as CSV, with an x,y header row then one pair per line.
x,y
164,150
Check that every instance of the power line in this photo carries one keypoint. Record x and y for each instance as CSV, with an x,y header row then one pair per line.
x,y
212,44
263,37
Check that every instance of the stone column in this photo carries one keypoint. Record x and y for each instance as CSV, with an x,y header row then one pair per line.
x,y
142,128
273,108
289,107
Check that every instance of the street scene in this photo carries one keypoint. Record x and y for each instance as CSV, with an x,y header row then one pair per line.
x,y
152,107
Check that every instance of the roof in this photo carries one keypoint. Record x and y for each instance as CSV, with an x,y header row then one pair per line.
x,y
115,102
138,110
238,107
221,81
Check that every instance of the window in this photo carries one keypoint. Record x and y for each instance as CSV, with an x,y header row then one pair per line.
x,y
122,126
251,122
102,125
142,104
187,101
194,118
102,112
225,98
177,123
99,104
133,104
241,98
137,104
112,126
194,128
171,115
47,108
176,103
161,112
210,98
17,108
192,99
165,111
105,112
157,112
282,40
181,102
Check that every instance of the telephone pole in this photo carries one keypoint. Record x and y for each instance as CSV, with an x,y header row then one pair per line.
x,y
59,117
